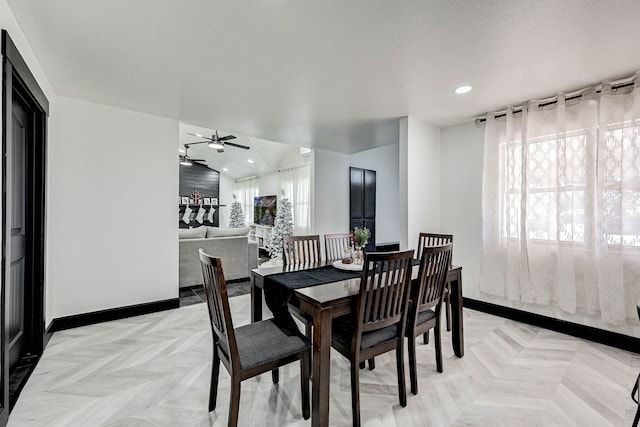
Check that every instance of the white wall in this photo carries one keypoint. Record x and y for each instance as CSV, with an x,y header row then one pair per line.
x,y
384,161
461,153
8,22
270,185
112,235
419,165
331,192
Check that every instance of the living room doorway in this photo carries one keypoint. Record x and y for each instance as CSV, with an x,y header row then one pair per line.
x,y
24,127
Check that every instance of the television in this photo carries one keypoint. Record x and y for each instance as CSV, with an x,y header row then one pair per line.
x,y
264,210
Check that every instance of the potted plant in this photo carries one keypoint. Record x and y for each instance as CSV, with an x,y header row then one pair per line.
x,y
361,237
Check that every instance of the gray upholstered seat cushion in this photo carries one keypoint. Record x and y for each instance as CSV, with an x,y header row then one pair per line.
x,y
262,342
342,332
422,317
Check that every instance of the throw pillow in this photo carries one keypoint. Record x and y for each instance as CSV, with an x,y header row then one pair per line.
x,y
192,233
227,232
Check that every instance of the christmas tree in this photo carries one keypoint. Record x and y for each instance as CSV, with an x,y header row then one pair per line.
x,y
236,217
283,226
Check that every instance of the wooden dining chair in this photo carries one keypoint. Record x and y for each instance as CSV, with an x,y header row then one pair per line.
x,y
301,249
249,350
426,302
378,323
433,239
334,245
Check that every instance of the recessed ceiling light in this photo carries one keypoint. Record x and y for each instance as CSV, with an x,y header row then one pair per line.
x,y
225,169
463,89
250,161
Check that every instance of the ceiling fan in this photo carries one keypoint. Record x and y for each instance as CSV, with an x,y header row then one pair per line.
x,y
185,160
217,142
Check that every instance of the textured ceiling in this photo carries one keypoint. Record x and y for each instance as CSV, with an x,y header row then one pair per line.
x,y
331,74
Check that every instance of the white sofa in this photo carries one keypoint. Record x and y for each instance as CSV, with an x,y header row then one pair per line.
x,y
239,255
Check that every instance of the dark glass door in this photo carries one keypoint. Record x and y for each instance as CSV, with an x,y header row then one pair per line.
x,y
15,292
24,135
362,202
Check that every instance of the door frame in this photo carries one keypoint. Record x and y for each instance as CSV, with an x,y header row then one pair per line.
x,y
17,80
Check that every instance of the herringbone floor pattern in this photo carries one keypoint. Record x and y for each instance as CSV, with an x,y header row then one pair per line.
x,y
153,370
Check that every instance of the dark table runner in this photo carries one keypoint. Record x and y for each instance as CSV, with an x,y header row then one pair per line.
x,y
279,287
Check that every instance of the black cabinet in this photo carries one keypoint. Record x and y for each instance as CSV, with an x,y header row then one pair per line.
x,y
362,202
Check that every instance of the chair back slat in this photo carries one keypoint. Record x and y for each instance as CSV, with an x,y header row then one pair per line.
x,y
432,239
301,249
334,245
384,290
215,289
432,276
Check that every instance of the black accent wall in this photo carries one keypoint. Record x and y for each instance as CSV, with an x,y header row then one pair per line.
x,y
207,182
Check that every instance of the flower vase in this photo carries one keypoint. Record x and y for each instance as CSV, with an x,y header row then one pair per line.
x,y
358,256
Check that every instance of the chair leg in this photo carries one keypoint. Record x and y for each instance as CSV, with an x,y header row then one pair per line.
x,y
215,374
438,345
355,394
413,374
635,395
362,364
447,307
308,331
402,386
372,364
304,383
425,337
234,402
275,376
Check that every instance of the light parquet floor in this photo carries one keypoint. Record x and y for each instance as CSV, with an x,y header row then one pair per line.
x,y
154,370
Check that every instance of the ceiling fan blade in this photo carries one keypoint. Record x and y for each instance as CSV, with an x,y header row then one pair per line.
x,y
236,145
199,136
226,138
197,160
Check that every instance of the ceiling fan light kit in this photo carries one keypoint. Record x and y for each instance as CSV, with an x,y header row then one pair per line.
x,y
185,160
216,142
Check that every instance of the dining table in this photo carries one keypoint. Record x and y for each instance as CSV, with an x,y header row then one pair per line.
x,y
323,302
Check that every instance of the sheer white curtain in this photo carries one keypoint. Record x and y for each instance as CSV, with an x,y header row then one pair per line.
x,y
296,183
245,191
561,203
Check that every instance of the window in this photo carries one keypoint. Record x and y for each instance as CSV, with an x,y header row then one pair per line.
x,y
555,188
296,183
246,190
561,203
621,192
559,187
